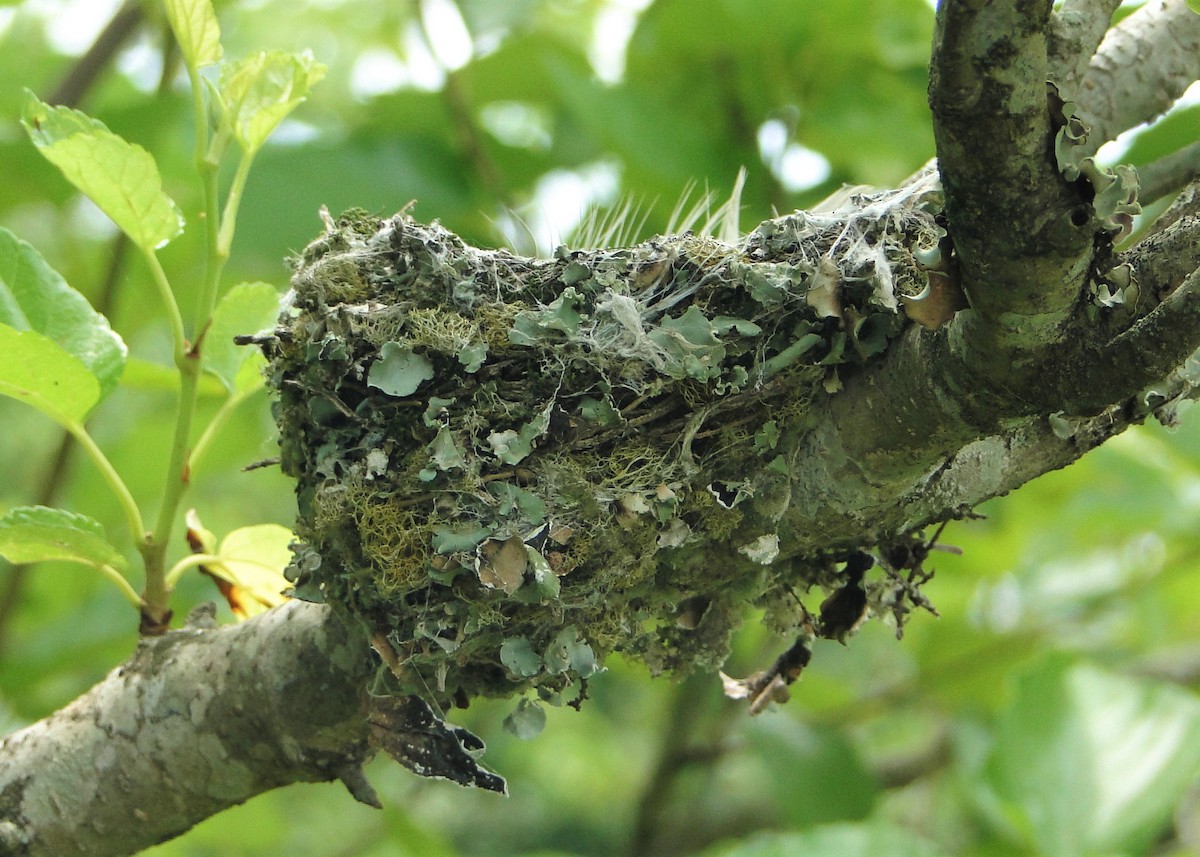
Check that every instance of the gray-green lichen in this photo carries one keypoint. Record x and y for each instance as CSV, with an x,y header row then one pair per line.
x,y
509,468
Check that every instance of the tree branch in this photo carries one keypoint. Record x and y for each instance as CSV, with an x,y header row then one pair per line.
x,y
195,722
1141,68
1022,232
1077,28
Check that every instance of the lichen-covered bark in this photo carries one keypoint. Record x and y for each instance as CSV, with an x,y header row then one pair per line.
x,y
195,722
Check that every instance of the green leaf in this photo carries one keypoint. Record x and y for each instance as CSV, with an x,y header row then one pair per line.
x,y
36,370
33,296
39,534
399,371
120,177
246,308
526,721
261,89
1089,762
195,25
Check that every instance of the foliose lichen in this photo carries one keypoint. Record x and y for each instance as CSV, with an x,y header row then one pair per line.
x,y
509,468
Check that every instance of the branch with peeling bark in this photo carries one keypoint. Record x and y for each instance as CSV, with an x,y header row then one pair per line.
x,y
1045,364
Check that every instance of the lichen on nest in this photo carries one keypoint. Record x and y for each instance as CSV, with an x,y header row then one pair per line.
x,y
509,468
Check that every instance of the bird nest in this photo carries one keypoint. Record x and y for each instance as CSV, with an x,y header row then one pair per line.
x,y
509,468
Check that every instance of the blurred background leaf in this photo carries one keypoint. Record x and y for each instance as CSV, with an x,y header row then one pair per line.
x,y
1069,629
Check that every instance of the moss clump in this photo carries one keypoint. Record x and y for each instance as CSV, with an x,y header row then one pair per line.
x,y
510,468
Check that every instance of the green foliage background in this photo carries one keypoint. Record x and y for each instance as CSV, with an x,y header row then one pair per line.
x,y
1050,710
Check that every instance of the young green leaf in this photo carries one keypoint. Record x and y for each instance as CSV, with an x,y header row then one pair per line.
x,y
246,308
194,23
36,370
261,89
33,296
39,534
120,177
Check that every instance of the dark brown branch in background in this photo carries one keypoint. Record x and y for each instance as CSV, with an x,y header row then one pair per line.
x,y
88,68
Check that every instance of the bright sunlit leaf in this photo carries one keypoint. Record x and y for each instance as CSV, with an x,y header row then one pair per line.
x,y
36,370
33,296
194,23
40,534
263,88
1090,762
120,177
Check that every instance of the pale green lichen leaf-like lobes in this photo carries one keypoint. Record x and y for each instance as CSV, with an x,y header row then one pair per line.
x,y
513,467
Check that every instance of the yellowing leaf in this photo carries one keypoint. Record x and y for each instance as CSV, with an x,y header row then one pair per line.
x,y
252,559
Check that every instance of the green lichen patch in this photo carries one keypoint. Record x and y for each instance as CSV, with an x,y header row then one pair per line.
x,y
510,468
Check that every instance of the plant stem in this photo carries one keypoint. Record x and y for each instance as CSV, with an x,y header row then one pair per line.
x,y
133,517
229,217
190,561
218,422
122,584
178,337
187,360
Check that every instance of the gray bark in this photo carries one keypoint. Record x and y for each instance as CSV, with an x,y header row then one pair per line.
x,y
195,722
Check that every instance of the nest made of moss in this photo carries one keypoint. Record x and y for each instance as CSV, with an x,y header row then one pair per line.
x,y
509,468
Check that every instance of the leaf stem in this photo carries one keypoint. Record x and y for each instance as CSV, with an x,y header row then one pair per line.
x,y
218,422
133,516
178,337
122,584
190,561
236,188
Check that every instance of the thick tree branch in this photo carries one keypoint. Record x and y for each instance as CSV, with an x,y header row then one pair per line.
x,y
1141,68
1022,232
1077,28
195,722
